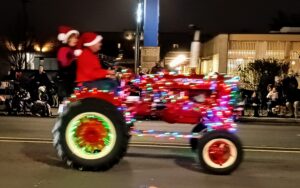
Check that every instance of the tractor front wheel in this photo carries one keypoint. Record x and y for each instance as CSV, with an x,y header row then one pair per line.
x,y
220,152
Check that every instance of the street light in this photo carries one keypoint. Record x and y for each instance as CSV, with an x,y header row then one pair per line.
x,y
139,12
195,48
139,19
178,61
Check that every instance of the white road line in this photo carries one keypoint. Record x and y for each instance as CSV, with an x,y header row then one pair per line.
x,y
271,151
269,148
23,138
27,141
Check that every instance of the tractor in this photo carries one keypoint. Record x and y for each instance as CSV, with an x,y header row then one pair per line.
x,y
94,127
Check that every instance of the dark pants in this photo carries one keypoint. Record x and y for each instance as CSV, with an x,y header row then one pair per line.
x,y
271,104
66,84
65,88
103,84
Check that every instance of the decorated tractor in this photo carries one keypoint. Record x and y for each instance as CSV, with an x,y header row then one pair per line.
x,y
94,129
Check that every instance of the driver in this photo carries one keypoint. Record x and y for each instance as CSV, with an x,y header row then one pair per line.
x,y
89,72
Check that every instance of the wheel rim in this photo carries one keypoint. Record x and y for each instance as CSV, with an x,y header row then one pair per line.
x,y
91,135
219,153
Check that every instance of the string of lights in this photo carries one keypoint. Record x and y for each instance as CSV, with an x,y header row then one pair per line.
x,y
179,99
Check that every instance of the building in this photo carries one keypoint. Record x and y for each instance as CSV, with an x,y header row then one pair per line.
x,y
225,52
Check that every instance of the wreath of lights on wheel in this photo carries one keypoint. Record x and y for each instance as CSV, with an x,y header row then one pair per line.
x,y
91,135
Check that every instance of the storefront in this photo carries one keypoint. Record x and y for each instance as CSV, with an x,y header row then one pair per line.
x,y
226,52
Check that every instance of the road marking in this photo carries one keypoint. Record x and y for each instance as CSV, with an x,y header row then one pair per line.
x,y
27,141
23,138
271,151
155,145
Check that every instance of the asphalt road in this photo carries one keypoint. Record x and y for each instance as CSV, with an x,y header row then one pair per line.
x,y
27,159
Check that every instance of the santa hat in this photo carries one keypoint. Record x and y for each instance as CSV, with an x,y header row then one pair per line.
x,y
64,32
87,39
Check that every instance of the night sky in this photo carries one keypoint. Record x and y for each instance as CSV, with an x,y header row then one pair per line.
x,y
213,16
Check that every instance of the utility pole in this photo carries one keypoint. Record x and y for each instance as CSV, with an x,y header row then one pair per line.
x,y
139,20
25,30
195,49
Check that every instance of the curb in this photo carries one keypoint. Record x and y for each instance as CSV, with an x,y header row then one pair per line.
x,y
289,121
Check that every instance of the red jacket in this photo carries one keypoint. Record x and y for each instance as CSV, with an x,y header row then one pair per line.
x,y
89,67
65,56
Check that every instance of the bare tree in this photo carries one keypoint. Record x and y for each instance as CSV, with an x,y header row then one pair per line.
x,y
19,41
17,52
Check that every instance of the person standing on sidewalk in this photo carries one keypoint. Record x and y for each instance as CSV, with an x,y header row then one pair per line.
x,y
281,99
157,68
291,92
263,87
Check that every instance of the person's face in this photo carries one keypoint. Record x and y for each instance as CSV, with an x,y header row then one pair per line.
x,y
73,40
96,47
41,69
269,88
274,89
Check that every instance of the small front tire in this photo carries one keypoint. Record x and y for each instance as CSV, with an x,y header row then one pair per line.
x,y
220,152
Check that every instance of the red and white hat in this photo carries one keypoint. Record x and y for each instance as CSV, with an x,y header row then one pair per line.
x,y
87,39
64,32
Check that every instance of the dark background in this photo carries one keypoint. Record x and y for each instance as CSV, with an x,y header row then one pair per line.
x,y
213,16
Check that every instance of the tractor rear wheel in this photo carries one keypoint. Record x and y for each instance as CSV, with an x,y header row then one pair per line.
x,y
91,135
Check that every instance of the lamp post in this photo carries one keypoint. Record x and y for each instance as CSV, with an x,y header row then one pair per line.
x,y
195,48
139,19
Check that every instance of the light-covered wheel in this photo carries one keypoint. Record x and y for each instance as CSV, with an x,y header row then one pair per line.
x,y
220,152
91,135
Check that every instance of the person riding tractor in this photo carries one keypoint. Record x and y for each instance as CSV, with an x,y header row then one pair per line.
x,y
90,73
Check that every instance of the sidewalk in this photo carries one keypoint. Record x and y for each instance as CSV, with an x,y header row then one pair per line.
x,y
292,121
54,111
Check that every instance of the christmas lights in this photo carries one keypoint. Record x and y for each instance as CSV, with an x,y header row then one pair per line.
x,y
165,89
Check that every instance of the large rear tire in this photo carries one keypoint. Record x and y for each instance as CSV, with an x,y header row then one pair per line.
x,y
220,152
91,135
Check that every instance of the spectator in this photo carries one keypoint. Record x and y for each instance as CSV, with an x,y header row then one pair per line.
x,y
272,101
255,102
11,73
269,88
281,99
41,78
290,85
298,79
294,106
263,86
156,69
278,85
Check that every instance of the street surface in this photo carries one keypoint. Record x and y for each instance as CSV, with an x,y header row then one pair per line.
x,y
272,159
